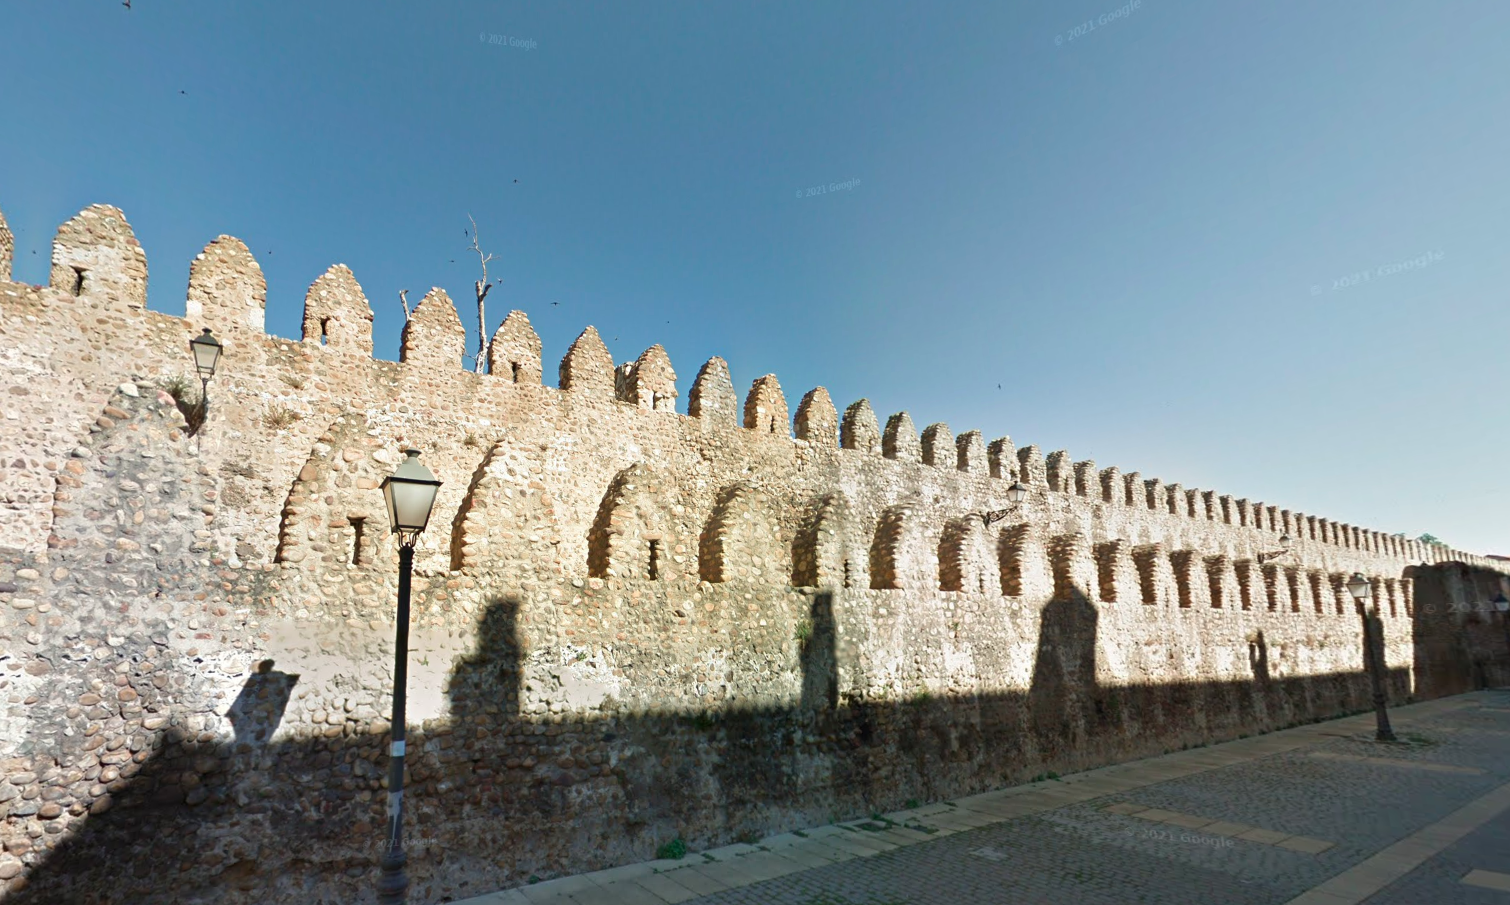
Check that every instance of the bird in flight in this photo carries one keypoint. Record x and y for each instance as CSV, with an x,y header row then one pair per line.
x,y
998,386
553,303
126,4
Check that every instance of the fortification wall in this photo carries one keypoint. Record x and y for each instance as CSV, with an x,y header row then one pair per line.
x,y
629,623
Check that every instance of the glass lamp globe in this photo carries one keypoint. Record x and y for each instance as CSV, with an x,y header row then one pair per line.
x,y
206,349
410,494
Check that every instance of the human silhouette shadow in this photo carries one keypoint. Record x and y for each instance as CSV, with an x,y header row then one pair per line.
x,y
258,709
1064,675
819,657
1258,658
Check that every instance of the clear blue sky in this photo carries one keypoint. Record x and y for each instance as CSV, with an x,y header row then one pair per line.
x,y
1122,230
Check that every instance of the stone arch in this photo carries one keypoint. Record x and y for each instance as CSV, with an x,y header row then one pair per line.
x,y
515,349
965,560
1074,571
899,554
712,399
336,313
1152,564
765,407
227,291
433,336
817,421
860,430
328,518
633,535
741,541
824,553
506,521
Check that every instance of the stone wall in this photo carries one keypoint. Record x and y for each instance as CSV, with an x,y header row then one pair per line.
x,y
629,624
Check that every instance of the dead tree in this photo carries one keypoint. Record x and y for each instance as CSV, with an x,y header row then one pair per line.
x,y
403,296
481,287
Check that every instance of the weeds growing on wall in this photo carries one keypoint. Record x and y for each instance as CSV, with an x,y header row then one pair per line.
x,y
278,417
190,402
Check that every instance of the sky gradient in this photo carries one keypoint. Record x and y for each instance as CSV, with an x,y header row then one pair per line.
x,y
1127,244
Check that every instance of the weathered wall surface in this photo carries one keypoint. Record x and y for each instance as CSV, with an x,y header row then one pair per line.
x,y
629,623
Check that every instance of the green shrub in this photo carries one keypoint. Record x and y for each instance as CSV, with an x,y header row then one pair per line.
x,y
675,850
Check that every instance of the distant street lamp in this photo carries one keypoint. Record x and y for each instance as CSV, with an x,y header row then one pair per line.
x,y
1015,495
1359,587
1284,547
206,349
1502,605
410,494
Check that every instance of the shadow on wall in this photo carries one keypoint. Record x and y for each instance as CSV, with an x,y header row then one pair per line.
x,y
258,709
1459,645
495,795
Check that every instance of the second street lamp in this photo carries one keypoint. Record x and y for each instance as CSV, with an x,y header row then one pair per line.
x,y
1284,547
206,349
409,494
1015,495
1359,587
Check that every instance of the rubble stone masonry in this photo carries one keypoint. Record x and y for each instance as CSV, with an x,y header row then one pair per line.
x,y
629,624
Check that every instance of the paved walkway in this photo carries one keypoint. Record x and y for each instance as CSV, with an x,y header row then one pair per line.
x,y
1316,815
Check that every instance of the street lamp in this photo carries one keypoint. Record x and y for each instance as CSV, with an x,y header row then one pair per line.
x,y
206,349
1284,547
1503,606
1359,587
1015,495
409,493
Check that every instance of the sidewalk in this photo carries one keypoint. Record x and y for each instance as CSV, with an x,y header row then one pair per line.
x,y
1314,815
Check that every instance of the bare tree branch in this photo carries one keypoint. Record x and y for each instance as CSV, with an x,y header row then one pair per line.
x,y
403,296
481,287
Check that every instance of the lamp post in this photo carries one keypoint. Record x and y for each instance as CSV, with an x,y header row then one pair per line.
x,y
1358,586
206,349
409,493
1284,547
1015,495
1502,605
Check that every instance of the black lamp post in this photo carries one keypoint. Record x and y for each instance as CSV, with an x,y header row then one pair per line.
x,y
1359,587
1015,495
206,349
410,494
1502,605
1284,547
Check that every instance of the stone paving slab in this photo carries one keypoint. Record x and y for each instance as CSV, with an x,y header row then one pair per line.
x,y
1254,818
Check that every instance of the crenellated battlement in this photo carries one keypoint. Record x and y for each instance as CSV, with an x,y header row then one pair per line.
x,y
97,265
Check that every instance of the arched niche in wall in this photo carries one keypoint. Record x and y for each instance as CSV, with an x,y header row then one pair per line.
x,y
741,540
634,535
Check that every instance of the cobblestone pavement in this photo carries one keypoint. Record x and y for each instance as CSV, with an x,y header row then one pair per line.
x,y
1394,806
